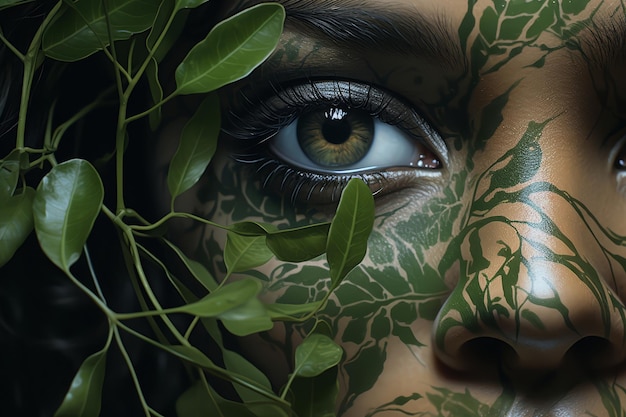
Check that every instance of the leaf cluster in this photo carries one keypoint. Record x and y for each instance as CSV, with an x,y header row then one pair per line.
x,y
61,204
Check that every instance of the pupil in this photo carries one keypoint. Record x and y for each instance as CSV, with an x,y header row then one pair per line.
x,y
336,131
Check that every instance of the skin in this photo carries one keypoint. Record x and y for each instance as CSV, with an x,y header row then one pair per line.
x,y
493,285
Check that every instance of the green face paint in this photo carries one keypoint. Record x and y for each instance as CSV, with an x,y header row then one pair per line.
x,y
494,279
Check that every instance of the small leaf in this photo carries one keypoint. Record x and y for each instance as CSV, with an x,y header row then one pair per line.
x,y
83,399
16,222
230,52
349,230
196,148
242,253
223,299
156,91
65,207
299,245
316,354
81,29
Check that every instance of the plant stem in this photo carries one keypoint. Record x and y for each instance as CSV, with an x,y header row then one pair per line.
x,y
30,64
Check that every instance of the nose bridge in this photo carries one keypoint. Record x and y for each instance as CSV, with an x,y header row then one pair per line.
x,y
529,279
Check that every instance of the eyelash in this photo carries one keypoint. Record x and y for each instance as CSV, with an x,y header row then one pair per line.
x,y
255,122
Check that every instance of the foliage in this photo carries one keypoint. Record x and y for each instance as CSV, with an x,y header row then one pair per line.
x,y
68,197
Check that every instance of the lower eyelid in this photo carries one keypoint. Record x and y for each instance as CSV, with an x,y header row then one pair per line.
x,y
310,188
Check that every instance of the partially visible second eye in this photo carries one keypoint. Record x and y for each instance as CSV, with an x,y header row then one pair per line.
x,y
338,139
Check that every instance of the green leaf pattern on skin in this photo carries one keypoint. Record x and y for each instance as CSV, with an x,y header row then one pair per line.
x,y
380,301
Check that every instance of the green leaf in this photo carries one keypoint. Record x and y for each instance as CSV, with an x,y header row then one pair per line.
x,y
189,4
236,363
242,253
248,318
81,29
197,269
252,228
9,174
315,397
156,92
9,3
299,244
283,312
223,299
16,222
65,207
190,354
232,50
349,230
196,148
84,397
316,354
203,401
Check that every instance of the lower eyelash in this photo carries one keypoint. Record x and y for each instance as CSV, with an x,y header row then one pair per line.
x,y
326,187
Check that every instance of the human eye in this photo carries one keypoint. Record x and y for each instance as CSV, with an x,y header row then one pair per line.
x,y
308,139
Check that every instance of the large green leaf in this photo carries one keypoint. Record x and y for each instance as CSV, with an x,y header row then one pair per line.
x,y
9,3
197,269
236,363
65,207
316,396
80,30
84,397
16,222
223,299
316,354
242,253
251,317
299,245
9,174
189,4
196,148
234,48
203,401
350,229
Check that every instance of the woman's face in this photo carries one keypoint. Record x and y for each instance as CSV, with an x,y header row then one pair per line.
x,y
492,134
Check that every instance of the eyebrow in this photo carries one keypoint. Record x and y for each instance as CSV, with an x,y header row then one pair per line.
x,y
602,44
369,26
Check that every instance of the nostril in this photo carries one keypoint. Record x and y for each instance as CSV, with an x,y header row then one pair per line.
x,y
591,353
594,353
483,352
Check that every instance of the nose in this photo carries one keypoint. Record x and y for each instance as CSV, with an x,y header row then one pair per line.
x,y
530,297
